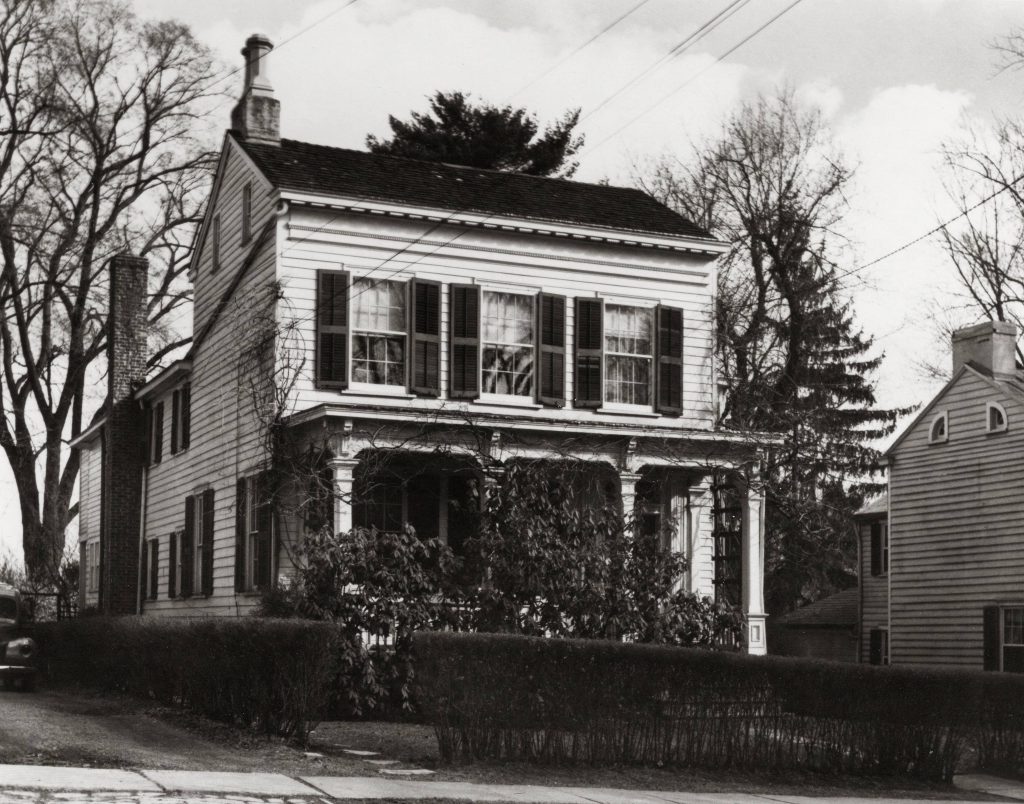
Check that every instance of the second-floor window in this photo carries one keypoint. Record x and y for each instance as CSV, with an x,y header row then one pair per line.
x,y
92,565
156,434
879,548
215,246
629,354
508,344
246,212
378,332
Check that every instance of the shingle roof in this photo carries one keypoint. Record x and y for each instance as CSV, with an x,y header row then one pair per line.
x,y
839,609
322,169
879,505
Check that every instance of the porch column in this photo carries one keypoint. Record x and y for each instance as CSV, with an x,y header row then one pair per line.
x,y
752,503
344,469
698,539
627,490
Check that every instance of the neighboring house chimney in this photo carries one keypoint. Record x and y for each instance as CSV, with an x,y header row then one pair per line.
x,y
257,115
123,436
991,345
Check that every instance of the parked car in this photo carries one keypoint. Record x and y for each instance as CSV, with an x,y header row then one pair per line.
x,y
17,649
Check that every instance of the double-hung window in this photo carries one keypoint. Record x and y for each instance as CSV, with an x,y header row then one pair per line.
x,y
379,325
379,502
92,565
254,534
508,343
629,354
197,550
1012,657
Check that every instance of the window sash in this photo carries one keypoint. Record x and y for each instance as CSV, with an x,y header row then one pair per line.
x,y
629,355
508,343
379,332
197,544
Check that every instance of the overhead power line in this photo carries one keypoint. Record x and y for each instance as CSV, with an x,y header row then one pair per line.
x,y
586,44
692,78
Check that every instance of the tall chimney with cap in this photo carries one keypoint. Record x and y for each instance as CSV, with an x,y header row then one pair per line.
x,y
257,115
990,346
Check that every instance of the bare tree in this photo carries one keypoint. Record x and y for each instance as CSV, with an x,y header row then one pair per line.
x,y
102,151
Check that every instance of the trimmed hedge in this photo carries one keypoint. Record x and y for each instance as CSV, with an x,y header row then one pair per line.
x,y
276,676
555,700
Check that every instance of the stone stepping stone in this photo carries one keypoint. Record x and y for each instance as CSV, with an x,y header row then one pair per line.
x,y
406,771
356,753
381,761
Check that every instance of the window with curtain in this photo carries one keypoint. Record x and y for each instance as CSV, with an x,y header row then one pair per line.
x,y
629,350
379,332
508,343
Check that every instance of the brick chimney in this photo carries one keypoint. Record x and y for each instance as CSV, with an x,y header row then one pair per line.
x,y
124,432
257,115
992,345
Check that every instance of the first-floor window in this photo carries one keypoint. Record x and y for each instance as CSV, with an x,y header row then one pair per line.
x,y
1013,640
508,343
197,550
92,565
879,647
629,352
174,541
379,503
378,332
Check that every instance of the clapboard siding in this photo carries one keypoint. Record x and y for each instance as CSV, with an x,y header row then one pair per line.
x,y
874,598
957,527
319,241
224,442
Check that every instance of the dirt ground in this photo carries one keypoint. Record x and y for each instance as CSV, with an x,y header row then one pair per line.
x,y
62,727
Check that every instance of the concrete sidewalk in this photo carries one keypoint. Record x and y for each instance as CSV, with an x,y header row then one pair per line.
x,y
32,784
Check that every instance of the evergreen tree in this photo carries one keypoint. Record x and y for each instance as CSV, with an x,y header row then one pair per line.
x,y
793,361
460,132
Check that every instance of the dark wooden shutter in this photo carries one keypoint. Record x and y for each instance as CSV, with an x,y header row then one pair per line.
x,y
423,505
265,526
875,646
425,338
186,416
175,419
207,579
147,441
589,391
464,366
876,548
669,360
993,637
551,349
332,329
158,432
144,580
172,565
83,575
188,546
240,534
154,567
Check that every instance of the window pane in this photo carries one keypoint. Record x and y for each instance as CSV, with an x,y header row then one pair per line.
x,y
629,380
628,330
508,370
378,305
378,359
1013,626
508,318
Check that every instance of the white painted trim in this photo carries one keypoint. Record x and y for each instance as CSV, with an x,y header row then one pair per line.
x,y
940,418
989,407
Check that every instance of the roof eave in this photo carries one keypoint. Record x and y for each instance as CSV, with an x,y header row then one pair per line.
x,y
88,434
170,375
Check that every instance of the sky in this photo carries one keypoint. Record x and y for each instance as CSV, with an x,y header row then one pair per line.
x,y
895,79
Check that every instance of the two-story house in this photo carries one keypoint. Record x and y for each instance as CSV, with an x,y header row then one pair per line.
x,y
943,554
418,326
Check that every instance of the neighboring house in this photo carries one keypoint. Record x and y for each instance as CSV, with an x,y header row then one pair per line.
x,y
956,525
440,321
825,629
873,580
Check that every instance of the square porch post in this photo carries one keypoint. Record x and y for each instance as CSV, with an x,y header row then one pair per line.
x,y
627,491
752,504
344,470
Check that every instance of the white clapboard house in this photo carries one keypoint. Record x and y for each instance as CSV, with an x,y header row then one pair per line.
x,y
943,554
446,318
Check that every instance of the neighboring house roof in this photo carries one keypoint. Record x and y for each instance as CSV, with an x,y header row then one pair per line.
x,y
324,170
879,505
839,610
1011,387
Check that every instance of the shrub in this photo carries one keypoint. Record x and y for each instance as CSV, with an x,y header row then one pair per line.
x,y
271,675
555,700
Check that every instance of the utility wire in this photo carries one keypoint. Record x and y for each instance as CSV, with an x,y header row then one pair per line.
x,y
589,42
678,49
691,79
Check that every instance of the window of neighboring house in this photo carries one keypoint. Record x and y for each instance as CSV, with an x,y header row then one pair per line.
x,y
157,436
995,418
879,547
938,432
1012,649
151,569
180,419
215,245
508,343
197,548
174,541
254,534
378,332
629,351
246,213
92,565
879,646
